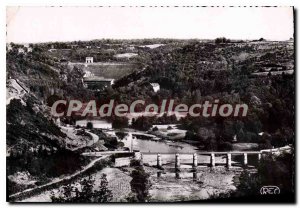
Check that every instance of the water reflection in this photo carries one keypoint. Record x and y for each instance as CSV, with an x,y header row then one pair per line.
x,y
158,174
194,176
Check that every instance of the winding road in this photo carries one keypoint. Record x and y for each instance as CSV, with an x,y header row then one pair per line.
x,y
16,196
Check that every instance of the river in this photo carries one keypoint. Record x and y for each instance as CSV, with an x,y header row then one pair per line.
x,y
152,146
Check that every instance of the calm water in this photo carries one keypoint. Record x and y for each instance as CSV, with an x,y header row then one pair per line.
x,y
157,146
140,144
97,124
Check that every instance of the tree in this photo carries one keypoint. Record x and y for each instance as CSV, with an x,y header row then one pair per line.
x,y
155,128
121,135
119,122
104,194
111,142
222,40
225,146
140,185
86,193
89,125
277,171
142,123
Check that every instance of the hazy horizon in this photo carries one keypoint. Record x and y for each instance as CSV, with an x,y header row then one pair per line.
x,y
137,39
68,24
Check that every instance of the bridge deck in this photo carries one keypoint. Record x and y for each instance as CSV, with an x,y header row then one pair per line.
x,y
203,153
167,153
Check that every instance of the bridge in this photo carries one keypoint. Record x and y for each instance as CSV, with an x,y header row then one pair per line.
x,y
210,159
204,158
182,160
194,159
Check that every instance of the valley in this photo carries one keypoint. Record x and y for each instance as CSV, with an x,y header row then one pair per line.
x,y
47,154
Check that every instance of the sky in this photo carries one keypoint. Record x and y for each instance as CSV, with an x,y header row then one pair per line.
x,y
44,24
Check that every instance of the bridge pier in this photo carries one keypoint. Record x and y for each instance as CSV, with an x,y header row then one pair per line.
x,y
141,160
245,159
177,161
212,160
195,176
259,157
159,162
228,160
195,160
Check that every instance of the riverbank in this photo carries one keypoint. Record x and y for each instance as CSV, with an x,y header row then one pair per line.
x,y
184,186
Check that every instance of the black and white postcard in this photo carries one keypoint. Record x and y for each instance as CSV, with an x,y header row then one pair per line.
x,y
149,104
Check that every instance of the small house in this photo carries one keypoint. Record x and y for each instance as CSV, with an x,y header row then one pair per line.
x,y
89,60
155,86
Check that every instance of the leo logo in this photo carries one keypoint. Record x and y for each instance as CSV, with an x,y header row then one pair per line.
x,y
270,190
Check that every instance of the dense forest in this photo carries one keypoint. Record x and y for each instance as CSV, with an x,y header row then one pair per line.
x,y
188,71
198,72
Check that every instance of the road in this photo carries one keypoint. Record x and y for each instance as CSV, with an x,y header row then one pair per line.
x,y
71,133
56,181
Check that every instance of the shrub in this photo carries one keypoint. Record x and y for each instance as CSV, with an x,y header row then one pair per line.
x,y
155,129
89,125
120,122
135,162
225,146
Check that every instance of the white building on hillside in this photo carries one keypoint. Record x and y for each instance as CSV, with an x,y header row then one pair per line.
x,y
89,60
155,86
